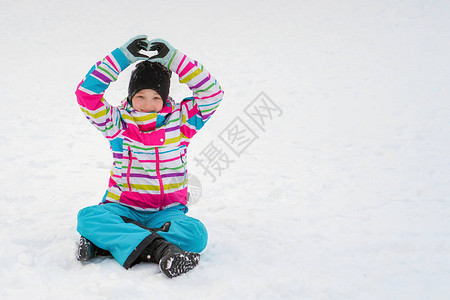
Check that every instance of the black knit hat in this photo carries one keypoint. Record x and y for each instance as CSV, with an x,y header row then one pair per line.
x,y
150,75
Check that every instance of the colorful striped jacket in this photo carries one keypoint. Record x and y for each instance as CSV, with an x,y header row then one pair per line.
x,y
149,149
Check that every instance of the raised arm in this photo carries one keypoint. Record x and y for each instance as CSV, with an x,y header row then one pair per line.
x,y
90,91
207,93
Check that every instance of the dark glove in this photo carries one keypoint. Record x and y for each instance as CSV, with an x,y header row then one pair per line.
x,y
165,51
133,46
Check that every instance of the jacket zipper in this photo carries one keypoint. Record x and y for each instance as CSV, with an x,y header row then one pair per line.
x,y
158,174
130,161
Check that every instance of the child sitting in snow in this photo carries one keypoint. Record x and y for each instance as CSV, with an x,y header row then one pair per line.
x,y
142,217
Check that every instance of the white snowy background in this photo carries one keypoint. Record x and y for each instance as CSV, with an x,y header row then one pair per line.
x,y
346,195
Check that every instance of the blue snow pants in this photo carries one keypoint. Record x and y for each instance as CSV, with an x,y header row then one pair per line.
x,y
126,232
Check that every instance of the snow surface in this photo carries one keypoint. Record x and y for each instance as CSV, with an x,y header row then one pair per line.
x,y
346,195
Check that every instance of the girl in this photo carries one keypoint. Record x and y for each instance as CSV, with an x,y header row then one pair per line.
x,y
142,217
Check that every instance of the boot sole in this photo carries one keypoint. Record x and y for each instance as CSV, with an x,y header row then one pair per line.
x,y
85,250
173,265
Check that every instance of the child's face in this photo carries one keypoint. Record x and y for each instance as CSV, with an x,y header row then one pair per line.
x,y
147,100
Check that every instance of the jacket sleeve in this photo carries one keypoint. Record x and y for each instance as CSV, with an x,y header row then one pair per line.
x,y
207,94
90,91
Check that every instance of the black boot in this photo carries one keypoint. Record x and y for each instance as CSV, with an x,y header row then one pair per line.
x,y
171,259
87,250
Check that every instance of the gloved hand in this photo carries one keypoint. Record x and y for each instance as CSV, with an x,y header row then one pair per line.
x,y
133,46
165,51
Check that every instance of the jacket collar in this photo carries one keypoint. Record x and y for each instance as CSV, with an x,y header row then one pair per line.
x,y
147,121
